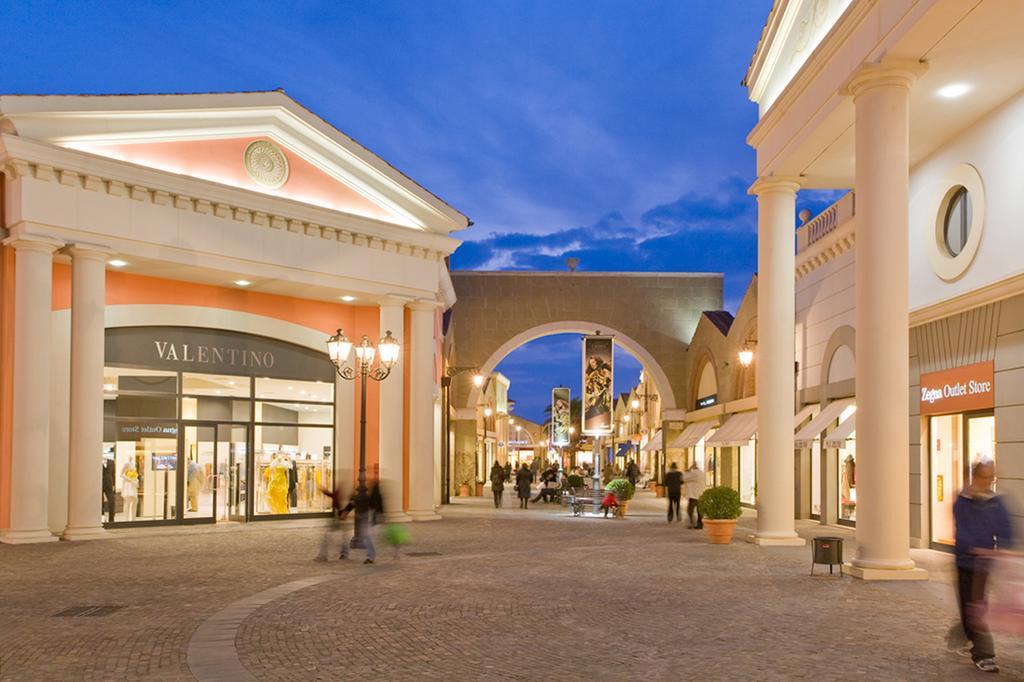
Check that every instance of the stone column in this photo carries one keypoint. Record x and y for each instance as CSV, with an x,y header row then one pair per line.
x,y
420,338
392,415
776,399
30,433
881,95
88,289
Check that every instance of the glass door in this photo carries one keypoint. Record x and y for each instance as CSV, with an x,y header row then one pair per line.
x,y
198,473
232,472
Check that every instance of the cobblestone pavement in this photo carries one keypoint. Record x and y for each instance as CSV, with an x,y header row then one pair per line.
x,y
482,595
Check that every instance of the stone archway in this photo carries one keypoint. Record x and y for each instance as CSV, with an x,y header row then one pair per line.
x,y
577,327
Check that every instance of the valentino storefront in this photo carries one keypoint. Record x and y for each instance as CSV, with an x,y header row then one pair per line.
x,y
203,425
171,267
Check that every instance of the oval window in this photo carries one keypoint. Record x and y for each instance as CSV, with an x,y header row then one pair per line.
x,y
957,226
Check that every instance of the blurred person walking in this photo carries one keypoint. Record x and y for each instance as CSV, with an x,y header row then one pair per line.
x,y
694,480
334,527
497,484
674,489
523,481
982,525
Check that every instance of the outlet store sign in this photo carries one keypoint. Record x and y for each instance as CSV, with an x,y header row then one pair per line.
x,y
961,389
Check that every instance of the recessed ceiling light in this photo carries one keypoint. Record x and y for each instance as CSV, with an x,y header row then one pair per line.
x,y
117,263
347,299
242,282
954,90
231,383
291,388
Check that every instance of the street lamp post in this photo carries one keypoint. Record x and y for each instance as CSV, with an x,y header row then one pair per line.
x,y
339,348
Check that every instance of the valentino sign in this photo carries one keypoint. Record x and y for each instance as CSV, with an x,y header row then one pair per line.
x,y
218,355
961,389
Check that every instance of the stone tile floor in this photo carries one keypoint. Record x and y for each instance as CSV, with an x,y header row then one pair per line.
x,y
503,594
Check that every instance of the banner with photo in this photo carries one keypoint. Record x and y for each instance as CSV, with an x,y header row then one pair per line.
x,y
560,417
597,385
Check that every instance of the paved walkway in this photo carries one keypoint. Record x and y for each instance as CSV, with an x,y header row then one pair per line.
x,y
484,594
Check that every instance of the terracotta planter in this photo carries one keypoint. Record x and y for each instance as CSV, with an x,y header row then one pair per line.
x,y
720,531
623,507
463,490
479,489
659,491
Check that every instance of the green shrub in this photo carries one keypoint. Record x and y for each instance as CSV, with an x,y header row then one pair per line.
x,y
720,502
574,481
622,488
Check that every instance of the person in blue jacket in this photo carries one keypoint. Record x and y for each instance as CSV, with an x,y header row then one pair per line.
x,y
982,525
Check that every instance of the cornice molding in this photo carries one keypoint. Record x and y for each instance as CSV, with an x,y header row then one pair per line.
x,y
21,158
838,242
815,64
989,293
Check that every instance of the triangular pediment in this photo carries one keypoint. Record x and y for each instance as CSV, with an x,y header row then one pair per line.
x,y
225,160
297,155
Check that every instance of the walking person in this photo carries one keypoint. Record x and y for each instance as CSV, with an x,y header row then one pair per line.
x,y
982,525
674,489
497,484
333,530
694,480
632,472
524,479
508,472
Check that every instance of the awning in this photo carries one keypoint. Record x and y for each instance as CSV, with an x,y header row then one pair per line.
x,y
842,433
654,443
805,436
737,430
804,413
692,434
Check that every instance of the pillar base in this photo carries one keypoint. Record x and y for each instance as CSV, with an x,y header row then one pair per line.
x,y
794,541
26,537
885,573
85,533
396,517
428,515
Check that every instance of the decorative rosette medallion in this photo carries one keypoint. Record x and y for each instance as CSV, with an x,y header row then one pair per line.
x,y
266,164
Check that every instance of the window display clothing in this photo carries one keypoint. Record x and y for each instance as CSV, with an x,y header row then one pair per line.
x,y
293,477
277,487
130,490
108,488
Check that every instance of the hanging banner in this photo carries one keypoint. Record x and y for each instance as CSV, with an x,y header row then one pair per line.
x,y
597,385
559,417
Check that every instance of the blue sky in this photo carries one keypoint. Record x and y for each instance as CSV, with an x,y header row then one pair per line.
x,y
610,131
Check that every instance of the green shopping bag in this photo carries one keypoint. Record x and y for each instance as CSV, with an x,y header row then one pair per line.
x,y
395,534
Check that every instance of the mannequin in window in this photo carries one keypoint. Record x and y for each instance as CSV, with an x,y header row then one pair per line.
x,y
847,484
109,468
130,489
277,488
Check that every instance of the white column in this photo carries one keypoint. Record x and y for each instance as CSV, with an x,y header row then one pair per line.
x,y
30,433
85,447
420,338
392,415
881,95
776,225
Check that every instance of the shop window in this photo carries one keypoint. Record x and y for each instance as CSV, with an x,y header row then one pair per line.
x,y
847,472
294,413
748,473
140,469
816,478
292,464
958,221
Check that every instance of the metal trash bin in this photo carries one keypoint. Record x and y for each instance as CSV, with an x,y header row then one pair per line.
x,y
827,550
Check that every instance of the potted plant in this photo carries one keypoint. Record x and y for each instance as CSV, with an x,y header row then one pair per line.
x,y
479,488
623,490
464,489
720,507
575,481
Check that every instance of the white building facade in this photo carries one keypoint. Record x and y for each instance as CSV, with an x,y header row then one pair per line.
x,y
916,107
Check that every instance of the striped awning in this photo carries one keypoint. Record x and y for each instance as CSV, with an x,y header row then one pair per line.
x,y
806,436
842,433
654,443
692,434
737,430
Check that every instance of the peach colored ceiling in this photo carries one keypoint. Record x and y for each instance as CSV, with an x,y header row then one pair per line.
x,y
221,161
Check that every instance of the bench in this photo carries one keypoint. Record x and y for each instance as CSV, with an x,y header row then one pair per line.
x,y
577,499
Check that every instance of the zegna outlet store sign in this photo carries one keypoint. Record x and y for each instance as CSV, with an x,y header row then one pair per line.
x,y
214,351
961,389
